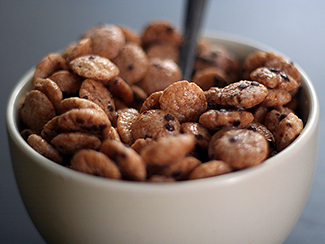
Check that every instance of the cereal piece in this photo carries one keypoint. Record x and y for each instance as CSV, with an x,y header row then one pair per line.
x,y
120,89
218,56
82,48
200,132
168,150
124,124
161,179
259,113
129,161
51,90
163,51
217,119
276,97
70,143
68,82
160,74
288,67
213,97
96,92
243,94
185,100
83,120
94,67
274,78
130,35
36,110
107,40
139,97
44,148
210,169
181,169
154,124
50,129
255,60
76,102
210,77
48,65
161,32
264,131
132,62
288,130
95,163
240,148
142,143
152,102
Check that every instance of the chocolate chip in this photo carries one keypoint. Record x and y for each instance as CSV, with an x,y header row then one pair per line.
x,y
255,83
169,127
212,105
85,97
275,70
233,139
80,120
289,125
131,67
252,127
170,29
282,116
199,137
110,107
284,76
169,117
236,122
91,57
243,86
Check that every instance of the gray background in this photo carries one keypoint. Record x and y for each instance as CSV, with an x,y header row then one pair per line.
x,y
33,28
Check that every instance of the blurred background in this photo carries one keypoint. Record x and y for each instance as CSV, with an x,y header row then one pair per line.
x,y
32,29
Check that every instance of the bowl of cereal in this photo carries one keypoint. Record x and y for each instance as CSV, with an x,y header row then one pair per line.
x,y
110,145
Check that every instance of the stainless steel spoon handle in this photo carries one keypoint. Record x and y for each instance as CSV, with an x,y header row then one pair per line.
x,y
193,19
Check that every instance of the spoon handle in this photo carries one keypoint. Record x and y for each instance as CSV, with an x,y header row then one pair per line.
x,y
193,19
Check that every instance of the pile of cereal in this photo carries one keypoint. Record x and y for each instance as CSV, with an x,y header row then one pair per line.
x,y
114,104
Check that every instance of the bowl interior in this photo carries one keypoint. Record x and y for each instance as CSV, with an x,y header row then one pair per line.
x,y
308,112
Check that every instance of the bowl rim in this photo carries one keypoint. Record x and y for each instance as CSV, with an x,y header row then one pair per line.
x,y
313,119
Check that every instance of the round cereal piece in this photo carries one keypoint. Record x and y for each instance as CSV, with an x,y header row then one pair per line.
x,y
51,90
68,82
181,169
168,150
94,67
213,97
124,123
70,143
288,130
82,48
255,60
132,62
283,64
161,32
240,148
95,163
243,94
152,102
36,110
276,97
264,131
161,179
48,65
139,97
44,148
160,74
218,56
50,129
154,124
77,102
163,51
85,120
120,90
200,132
142,143
272,120
210,169
185,100
129,161
217,119
65,53
268,77
107,40
130,35
210,77
96,92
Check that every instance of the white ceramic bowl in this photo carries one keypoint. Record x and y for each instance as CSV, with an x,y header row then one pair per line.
x,y
257,205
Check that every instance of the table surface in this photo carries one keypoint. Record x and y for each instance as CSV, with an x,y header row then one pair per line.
x,y
32,29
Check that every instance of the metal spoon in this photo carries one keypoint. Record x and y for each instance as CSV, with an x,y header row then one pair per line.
x,y
193,19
